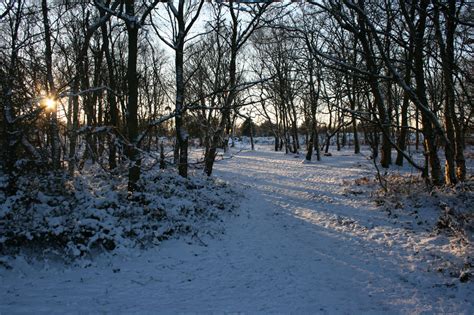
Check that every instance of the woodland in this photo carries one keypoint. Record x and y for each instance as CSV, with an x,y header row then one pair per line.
x,y
126,123
103,81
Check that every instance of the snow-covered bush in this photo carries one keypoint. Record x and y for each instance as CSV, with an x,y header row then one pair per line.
x,y
53,215
442,217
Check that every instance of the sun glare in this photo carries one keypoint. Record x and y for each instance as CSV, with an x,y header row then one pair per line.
x,y
50,104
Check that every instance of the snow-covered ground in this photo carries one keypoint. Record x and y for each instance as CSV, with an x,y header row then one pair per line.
x,y
300,243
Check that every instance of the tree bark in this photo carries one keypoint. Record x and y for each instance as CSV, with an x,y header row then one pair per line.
x,y
181,132
385,159
54,131
113,112
418,68
10,131
132,106
402,138
453,148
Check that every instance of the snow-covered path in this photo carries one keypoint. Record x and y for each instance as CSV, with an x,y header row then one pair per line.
x,y
300,244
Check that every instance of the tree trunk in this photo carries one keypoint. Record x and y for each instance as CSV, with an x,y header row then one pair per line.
x,y
132,106
417,127
316,144
252,146
228,99
10,141
402,138
181,133
428,131
113,112
55,142
310,146
384,122
452,148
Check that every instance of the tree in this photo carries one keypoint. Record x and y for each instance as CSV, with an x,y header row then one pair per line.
x,y
239,35
51,90
133,23
248,127
182,22
454,147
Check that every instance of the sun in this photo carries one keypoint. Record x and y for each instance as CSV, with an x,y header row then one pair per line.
x,y
50,104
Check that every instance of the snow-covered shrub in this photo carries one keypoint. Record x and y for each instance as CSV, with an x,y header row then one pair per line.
x,y
51,214
450,207
442,216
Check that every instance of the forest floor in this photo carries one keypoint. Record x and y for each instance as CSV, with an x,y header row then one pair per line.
x,y
304,241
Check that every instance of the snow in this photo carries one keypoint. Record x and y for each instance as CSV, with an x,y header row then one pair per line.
x,y
303,242
50,214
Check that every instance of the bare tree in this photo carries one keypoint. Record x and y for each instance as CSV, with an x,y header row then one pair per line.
x,y
51,90
182,19
239,35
